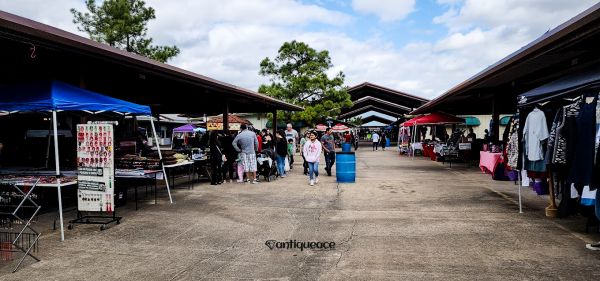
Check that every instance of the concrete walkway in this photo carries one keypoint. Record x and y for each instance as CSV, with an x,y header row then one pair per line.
x,y
403,220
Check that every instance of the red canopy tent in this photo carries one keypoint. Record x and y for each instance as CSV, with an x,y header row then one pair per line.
x,y
434,119
340,128
321,128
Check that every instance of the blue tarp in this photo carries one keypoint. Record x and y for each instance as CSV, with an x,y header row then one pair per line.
x,y
55,95
565,85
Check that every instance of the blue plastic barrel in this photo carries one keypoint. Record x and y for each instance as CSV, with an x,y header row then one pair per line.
x,y
345,167
387,142
346,147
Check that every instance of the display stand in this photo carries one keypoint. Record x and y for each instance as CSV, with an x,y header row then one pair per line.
x,y
20,234
95,161
103,221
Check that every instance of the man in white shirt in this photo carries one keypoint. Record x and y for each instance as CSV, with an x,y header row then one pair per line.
x,y
375,138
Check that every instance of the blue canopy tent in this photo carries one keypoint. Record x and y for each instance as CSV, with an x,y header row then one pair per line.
x,y
53,96
566,85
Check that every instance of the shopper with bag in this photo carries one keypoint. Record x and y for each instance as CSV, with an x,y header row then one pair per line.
x,y
281,151
312,153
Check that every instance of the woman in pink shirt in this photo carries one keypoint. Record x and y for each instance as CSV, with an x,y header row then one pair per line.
x,y
312,153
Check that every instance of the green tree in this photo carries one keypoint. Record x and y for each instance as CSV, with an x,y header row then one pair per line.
x,y
298,75
122,24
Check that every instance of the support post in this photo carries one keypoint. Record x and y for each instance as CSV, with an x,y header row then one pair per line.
x,y
160,157
274,121
57,168
495,120
226,116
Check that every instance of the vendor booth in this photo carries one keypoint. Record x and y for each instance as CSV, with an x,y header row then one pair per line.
x,y
448,149
95,142
561,156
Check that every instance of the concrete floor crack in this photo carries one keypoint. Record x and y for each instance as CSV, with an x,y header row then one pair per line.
x,y
347,241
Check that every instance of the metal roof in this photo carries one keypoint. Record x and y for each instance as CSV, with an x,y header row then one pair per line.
x,y
16,28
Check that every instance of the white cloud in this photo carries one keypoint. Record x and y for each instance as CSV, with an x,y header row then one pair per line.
x,y
226,40
57,14
387,10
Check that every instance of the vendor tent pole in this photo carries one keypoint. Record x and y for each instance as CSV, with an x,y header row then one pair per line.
x,y
57,164
48,145
160,157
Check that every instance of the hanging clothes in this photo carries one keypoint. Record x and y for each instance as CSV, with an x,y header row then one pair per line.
x,y
512,146
585,142
556,150
534,132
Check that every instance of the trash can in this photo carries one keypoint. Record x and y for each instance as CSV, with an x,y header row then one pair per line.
x,y
345,167
346,147
387,142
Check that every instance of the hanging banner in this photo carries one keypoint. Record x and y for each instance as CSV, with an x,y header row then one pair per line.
x,y
95,162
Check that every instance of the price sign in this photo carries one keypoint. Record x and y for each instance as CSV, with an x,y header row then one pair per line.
x,y
95,161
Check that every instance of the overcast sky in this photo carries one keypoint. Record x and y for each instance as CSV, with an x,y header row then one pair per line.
x,y
421,47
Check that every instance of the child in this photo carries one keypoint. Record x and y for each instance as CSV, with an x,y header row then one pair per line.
x,y
290,148
312,153
240,169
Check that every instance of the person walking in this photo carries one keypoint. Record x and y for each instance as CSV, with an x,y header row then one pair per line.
x,y
230,154
328,144
305,138
291,134
383,141
281,151
375,139
291,151
312,152
246,144
355,141
216,159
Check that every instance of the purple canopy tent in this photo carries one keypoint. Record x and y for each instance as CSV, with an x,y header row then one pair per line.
x,y
188,128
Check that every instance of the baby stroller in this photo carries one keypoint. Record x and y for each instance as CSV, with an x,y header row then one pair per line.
x,y
266,164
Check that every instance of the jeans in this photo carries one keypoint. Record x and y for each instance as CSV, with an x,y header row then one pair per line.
x,y
281,165
375,146
329,161
313,170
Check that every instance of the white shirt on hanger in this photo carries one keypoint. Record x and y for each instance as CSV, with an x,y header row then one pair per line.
x,y
534,132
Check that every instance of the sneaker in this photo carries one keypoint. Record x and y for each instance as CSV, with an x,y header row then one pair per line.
x,y
240,181
312,182
254,182
593,246
283,176
316,179
230,181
